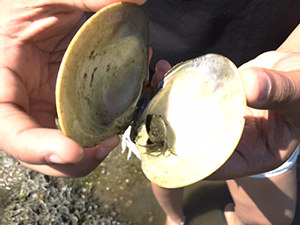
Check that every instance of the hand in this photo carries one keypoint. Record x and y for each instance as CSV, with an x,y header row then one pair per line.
x,y
272,124
272,121
272,128
34,35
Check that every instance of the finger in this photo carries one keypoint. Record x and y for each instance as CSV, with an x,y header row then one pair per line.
x,y
92,158
161,68
24,139
86,5
274,90
229,169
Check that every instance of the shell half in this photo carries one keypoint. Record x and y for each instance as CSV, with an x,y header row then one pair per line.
x,y
202,104
102,74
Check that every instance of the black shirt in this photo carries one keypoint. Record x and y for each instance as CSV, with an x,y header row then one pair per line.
x,y
237,29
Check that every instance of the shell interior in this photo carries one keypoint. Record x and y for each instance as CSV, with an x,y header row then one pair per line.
x,y
202,104
102,74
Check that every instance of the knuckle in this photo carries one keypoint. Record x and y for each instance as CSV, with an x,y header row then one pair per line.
x,y
285,91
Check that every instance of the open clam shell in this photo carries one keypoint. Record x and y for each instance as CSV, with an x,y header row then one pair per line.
x,y
185,128
202,106
102,74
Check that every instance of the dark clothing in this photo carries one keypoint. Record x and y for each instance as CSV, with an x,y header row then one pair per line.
x,y
237,29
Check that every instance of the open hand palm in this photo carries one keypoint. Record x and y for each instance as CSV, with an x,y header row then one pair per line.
x,y
271,131
36,35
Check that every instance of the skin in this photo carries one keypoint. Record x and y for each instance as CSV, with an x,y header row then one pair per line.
x,y
271,133
272,84
34,35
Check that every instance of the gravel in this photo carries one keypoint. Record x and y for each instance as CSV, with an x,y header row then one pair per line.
x,y
104,197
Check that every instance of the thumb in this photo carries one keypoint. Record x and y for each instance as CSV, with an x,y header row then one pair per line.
x,y
274,90
24,139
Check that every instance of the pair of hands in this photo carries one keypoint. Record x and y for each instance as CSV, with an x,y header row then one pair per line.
x,y
34,36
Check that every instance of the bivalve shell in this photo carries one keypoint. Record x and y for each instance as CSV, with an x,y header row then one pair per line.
x,y
102,74
202,104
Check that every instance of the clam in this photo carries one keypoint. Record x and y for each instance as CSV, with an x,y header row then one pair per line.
x,y
185,128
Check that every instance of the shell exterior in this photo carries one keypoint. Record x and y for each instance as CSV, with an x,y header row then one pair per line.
x,y
102,74
202,103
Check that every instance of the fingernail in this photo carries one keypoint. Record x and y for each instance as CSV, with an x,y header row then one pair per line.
x,y
102,153
107,146
264,87
54,159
